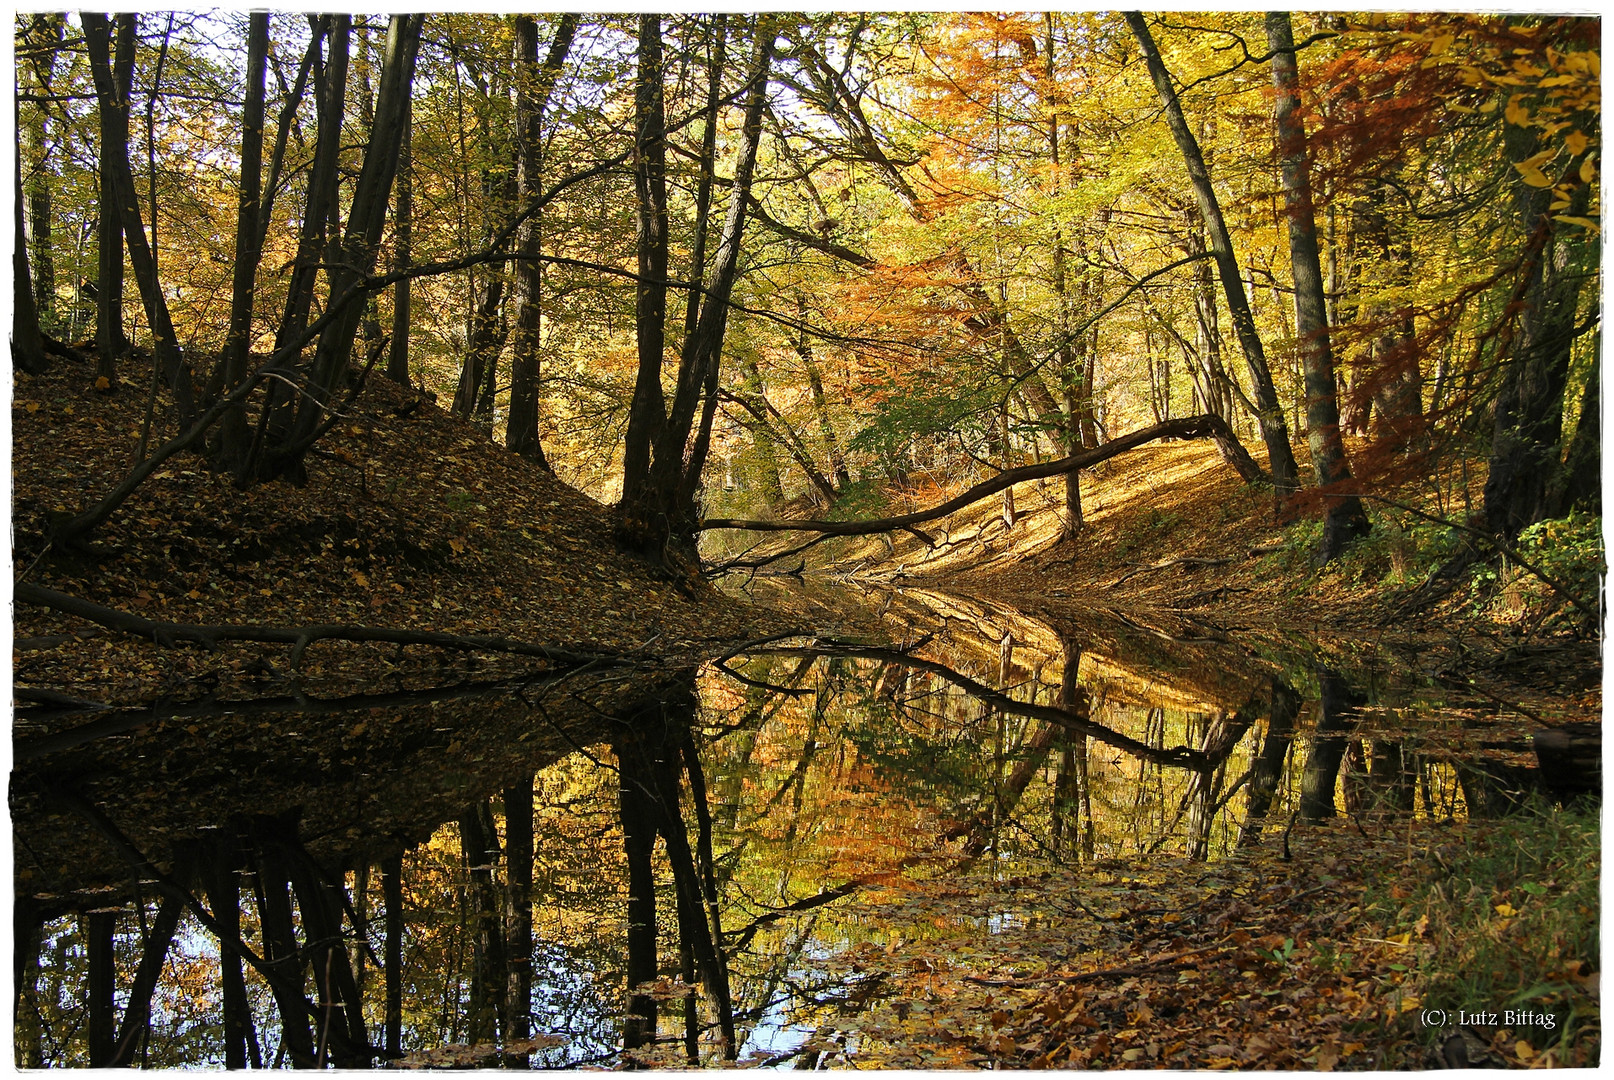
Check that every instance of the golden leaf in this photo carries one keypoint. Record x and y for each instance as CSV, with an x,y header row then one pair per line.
x,y
1576,142
1532,175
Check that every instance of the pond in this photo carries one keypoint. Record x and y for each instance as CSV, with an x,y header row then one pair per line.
x,y
712,851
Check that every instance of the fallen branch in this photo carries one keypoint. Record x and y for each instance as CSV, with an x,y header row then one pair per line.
x,y
170,635
1192,427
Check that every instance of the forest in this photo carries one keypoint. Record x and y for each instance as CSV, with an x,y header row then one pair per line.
x,y
838,480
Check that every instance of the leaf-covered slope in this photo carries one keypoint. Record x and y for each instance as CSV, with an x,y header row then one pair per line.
x,y
411,518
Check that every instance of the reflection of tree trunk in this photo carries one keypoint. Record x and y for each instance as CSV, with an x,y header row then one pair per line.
x,y
98,931
518,853
280,950
219,867
340,1035
392,957
1492,789
639,839
27,933
1321,771
480,846
1267,769
137,1013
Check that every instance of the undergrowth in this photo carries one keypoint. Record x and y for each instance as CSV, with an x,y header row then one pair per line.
x,y
1505,929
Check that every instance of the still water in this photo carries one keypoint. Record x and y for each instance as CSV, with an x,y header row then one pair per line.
x,y
344,882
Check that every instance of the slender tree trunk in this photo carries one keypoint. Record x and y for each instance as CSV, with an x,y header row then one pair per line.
x,y
330,90
1274,432
703,184
534,84
44,39
403,236
1579,484
357,253
234,437
673,476
815,384
1346,519
27,343
1526,465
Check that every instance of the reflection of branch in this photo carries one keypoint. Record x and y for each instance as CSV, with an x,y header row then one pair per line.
x,y
1180,756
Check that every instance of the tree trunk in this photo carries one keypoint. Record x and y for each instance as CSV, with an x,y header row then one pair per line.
x,y
233,435
815,383
657,517
110,341
534,84
1579,483
44,38
1526,465
357,255
1274,432
647,411
1346,521
703,185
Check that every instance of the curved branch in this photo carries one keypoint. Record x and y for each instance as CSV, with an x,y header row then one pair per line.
x,y
1192,427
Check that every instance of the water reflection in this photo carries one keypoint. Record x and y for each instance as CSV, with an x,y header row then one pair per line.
x,y
653,867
